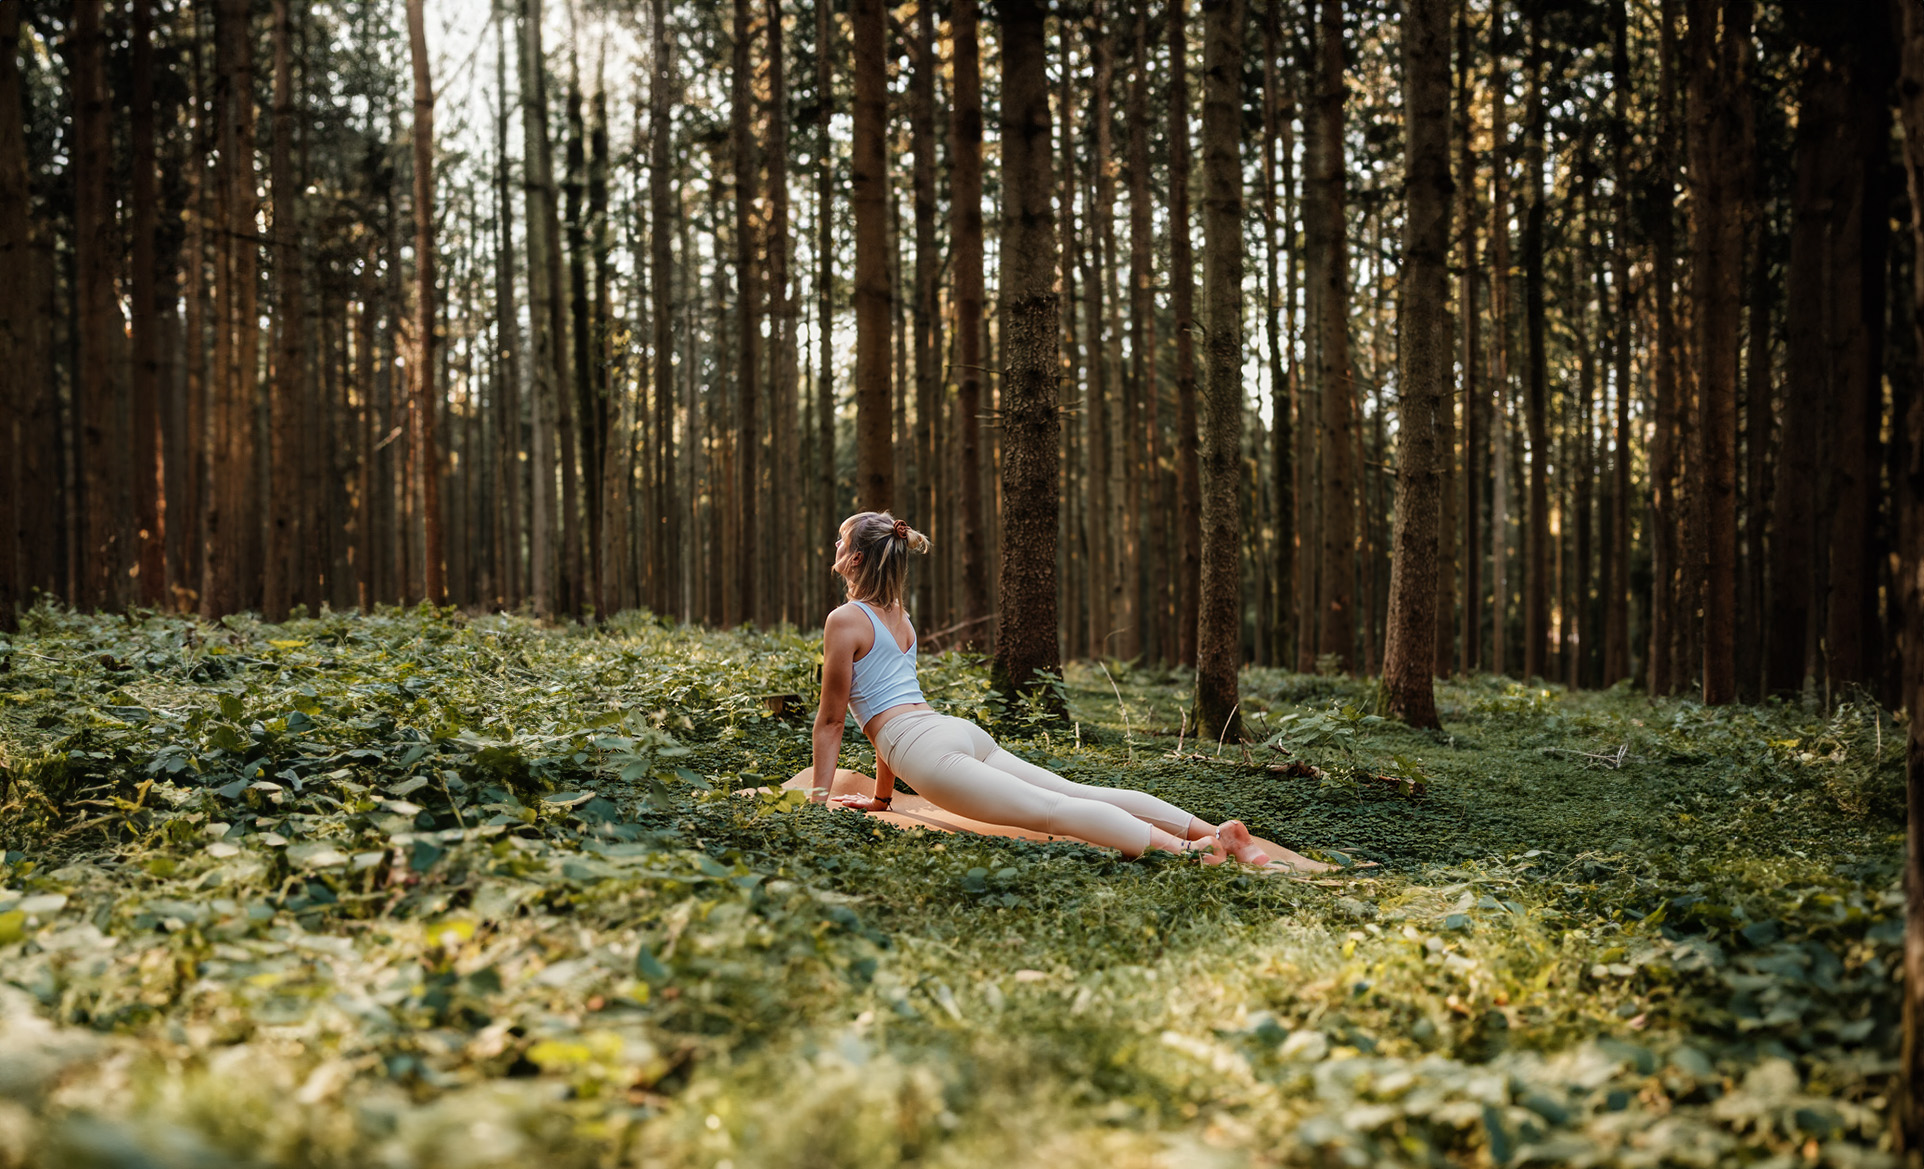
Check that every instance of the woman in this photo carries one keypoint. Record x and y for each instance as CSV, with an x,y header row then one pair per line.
x,y
868,664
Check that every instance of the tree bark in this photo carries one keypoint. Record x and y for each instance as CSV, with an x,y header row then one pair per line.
x,y
1472,357
426,461
1276,613
782,599
1666,602
1328,272
667,529
229,513
1423,355
875,459
1616,633
16,333
1147,574
965,202
1026,632
1182,285
97,316
285,435
542,304
1909,1105
1536,575
149,466
926,371
748,320
1502,345
1718,29
1219,616
512,577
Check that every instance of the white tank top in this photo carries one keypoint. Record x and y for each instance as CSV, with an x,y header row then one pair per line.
x,y
885,675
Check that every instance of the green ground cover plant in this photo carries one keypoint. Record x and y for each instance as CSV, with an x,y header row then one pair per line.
x,y
419,889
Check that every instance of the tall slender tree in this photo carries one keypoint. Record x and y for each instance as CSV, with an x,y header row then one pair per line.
x,y
1423,353
1910,604
1716,104
543,305
965,202
1182,291
1219,614
1469,307
1327,263
748,321
96,313
923,329
286,388
16,334
868,195
149,466
1026,629
1616,632
1536,557
783,596
667,531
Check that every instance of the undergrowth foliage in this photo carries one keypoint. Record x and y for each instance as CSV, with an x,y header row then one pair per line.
x,y
419,889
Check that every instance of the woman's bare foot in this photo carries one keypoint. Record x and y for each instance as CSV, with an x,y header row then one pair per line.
x,y
1234,836
1210,847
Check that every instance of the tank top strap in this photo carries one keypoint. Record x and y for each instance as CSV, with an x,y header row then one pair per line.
x,y
881,627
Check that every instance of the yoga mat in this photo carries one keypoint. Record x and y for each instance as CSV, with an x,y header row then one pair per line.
x,y
912,811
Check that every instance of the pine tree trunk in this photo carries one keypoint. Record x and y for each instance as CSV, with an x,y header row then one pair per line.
x,y
1536,575
148,465
1219,614
1909,599
1328,273
1278,612
543,563
589,393
16,334
1716,102
1147,559
965,201
1616,634
922,146
97,316
1752,636
669,599
875,458
285,434
228,512
748,320
1182,285
511,578
427,462
1471,310
1026,634
1666,602
783,598
1423,358
1501,347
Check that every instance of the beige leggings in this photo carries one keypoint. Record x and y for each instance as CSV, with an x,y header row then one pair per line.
x,y
957,766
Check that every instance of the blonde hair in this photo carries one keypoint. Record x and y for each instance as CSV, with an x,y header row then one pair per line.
x,y
884,543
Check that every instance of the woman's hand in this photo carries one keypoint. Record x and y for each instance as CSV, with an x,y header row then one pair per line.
x,y
861,803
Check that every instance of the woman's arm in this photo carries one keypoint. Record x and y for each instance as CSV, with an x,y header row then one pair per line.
x,y
839,637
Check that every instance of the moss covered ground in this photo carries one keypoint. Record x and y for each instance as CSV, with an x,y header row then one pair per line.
x,y
415,889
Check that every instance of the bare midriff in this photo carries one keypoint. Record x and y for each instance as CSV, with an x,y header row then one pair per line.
x,y
874,725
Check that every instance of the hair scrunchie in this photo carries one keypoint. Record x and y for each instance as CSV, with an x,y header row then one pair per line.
x,y
901,529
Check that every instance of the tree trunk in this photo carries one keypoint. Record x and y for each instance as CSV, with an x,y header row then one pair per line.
x,y
1182,285
589,392
426,461
1909,1106
229,512
965,201
782,599
149,467
285,433
1219,618
1328,272
1616,634
1501,347
875,459
511,578
669,599
1536,575
1026,634
1752,636
1276,613
97,317
1666,602
825,261
1423,356
748,320
1147,571
922,145
1468,303
16,333
542,297
1716,102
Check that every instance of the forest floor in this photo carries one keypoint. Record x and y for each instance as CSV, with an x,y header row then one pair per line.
x,y
423,890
